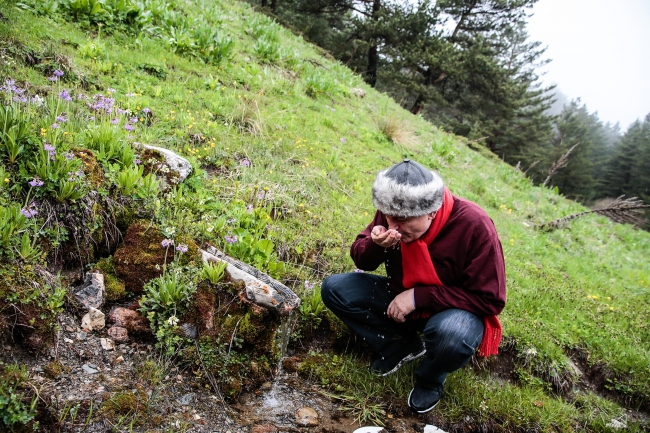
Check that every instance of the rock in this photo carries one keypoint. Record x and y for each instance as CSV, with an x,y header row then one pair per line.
x,y
93,320
177,163
140,258
264,428
186,399
359,93
91,292
118,334
67,340
616,424
307,417
131,320
119,359
107,343
88,369
370,429
81,336
432,429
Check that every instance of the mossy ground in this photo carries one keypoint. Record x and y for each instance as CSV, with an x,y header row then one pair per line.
x,y
289,126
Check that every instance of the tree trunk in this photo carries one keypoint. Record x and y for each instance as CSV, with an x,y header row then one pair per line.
x,y
264,3
274,3
373,54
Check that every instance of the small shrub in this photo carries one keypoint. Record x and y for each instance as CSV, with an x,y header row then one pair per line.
x,y
16,407
397,131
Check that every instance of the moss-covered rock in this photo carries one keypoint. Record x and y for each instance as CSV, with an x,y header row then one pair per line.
x,y
115,289
141,257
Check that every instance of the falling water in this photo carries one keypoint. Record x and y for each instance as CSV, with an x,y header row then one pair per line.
x,y
283,339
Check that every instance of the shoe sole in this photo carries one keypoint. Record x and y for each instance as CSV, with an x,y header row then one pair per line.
x,y
406,359
420,410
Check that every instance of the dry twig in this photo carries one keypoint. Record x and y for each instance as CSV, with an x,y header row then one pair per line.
x,y
558,165
625,211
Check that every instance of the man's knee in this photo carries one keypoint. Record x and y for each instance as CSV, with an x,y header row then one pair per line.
x,y
456,333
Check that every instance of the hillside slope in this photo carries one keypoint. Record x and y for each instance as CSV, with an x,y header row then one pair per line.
x,y
284,149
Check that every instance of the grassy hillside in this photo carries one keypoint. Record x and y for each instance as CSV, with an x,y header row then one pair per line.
x,y
282,141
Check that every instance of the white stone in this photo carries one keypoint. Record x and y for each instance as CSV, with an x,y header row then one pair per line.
x,y
371,429
432,429
107,343
616,424
174,161
93,320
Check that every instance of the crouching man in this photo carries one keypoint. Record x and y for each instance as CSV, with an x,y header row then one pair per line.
x,y
445,281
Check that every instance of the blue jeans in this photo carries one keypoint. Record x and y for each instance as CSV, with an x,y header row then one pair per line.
x,y
360,300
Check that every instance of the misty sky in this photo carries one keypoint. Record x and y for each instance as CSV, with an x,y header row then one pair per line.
x,y
600,51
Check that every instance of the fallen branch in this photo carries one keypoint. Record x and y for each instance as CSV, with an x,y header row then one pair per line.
x,y
625,211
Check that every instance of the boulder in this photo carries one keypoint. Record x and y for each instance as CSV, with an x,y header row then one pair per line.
x,y
359,93
91,292
131,320
177,163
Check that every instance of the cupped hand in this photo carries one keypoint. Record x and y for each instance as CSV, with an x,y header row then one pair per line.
x,y
385,237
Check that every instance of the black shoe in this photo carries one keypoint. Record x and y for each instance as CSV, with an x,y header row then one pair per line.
x,y
388,364
422,399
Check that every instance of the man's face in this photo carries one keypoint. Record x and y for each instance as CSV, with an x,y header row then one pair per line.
x,y
411,228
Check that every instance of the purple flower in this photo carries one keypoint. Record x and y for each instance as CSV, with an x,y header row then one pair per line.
x,y
146,110
28,212
245,162
359,271
181,248
342,140
58,73
121,111
48,147
249,208
61,119
308,285
69,156
166,243
230,239
137,161
260,196
36,182
52,78
129,127
115,121
65,95
55,125
133,120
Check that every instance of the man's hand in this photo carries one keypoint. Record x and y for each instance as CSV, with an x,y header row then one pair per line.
x,y
401,306
384,237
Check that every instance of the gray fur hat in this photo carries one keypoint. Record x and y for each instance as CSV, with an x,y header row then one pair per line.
x,y
407,190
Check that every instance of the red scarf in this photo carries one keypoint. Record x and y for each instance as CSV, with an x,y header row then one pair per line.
x,y
419,270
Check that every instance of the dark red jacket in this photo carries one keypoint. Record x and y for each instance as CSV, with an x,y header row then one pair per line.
x,y
466,254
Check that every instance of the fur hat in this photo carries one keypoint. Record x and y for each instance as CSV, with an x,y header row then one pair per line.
x,y
407,190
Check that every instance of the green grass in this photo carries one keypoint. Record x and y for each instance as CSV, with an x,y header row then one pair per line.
x,y
287,109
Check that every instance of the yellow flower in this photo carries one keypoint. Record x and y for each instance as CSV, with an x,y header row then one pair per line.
x,y
301,205
365,213
588,296
611,308
609,298
6,180
270,171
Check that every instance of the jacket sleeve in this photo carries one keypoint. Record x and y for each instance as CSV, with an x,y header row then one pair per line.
x,y
366,254
484,287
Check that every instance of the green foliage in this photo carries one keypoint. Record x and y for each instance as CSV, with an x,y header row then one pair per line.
x,y
213,272
128,179
16,409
